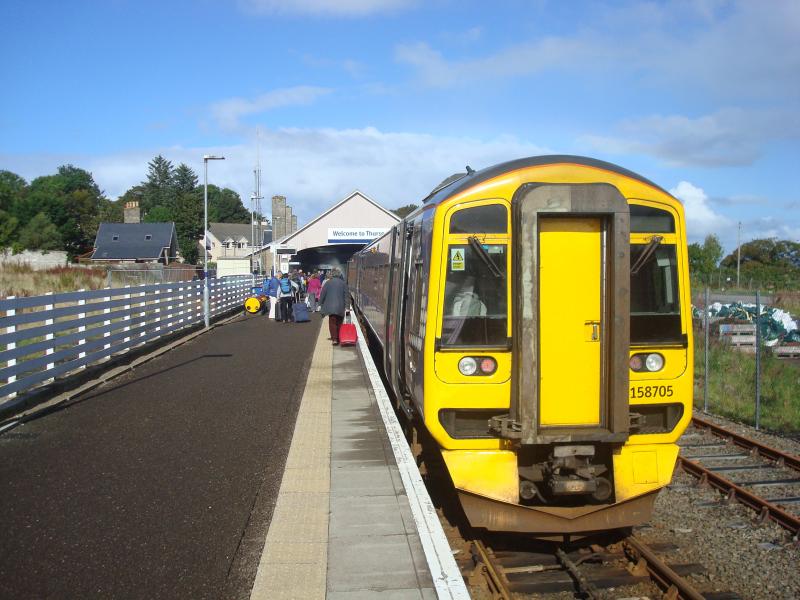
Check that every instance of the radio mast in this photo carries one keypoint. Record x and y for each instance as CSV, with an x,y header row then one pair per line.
x,y
255,209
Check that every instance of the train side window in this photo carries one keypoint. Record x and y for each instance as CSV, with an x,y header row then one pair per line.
x,y
490,218
645,219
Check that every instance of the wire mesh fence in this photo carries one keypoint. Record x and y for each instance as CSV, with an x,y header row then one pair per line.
x,y
747,360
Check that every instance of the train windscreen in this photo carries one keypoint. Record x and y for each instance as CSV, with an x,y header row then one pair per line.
x,y
655,298
475,297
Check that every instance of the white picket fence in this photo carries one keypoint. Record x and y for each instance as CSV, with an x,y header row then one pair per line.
x,y
56,335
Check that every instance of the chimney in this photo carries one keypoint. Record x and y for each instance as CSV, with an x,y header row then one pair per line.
x,y
131,212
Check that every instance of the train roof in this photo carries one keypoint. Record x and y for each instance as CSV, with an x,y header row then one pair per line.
x,y
462,181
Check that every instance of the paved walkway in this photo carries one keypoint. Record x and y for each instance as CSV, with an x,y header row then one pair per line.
x,y
342,527
161,483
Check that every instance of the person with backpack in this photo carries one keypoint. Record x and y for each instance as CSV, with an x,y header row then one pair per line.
x,y
286,294
334,302
271,287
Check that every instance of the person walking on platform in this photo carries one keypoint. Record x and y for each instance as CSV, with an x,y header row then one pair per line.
x,y
286,293
271,287
314,287
333,300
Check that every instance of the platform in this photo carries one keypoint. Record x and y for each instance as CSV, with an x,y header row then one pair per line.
x,y
343,525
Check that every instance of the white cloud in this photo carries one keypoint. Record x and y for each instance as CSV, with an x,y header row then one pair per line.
x,y
325,8
701,220
729,137
227,113
312,167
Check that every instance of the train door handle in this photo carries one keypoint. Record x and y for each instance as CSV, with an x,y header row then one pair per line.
x,y
592,331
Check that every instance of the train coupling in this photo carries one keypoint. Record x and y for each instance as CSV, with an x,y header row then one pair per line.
x,y
569,471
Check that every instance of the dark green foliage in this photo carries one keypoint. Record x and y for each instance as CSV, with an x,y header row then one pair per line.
x,y
771,262
8,227
225,206
185,179
12,187
406,210
40,234
159,214
703,260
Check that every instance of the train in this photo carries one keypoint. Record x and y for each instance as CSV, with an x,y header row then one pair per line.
x,y
534,318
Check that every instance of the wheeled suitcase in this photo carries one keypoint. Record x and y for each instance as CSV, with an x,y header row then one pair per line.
x,y
347,332
300,311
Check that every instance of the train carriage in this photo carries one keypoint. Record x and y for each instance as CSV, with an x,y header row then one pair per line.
x,y
535,317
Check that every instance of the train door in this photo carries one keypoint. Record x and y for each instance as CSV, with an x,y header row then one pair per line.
x,y
570,309
570,314
412,340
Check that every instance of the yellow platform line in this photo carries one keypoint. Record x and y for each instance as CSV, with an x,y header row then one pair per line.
x,y
295,559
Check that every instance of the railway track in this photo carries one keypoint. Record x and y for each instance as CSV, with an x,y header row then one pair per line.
x,y
592,571
763,478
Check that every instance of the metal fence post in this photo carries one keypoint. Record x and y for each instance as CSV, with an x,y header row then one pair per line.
x,y
81,329
758,359
107,322
49,336
10,346
705,356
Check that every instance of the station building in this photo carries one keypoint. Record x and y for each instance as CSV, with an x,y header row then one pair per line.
x,y
329,240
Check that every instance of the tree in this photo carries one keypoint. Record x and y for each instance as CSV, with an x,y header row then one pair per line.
x,y
12,188
40,234
184,179
159,214
771,262
8,227
189,224
406,210
71,200
225,206
159,187
703,260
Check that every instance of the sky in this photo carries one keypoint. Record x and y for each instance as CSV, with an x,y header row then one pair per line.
x,y
392,96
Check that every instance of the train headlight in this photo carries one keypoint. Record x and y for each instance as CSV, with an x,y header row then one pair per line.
x,y
646,362
467,366
654,362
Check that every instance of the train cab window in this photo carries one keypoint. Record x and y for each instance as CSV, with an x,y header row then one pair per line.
x,y
655,299
645,219
475,298
491,218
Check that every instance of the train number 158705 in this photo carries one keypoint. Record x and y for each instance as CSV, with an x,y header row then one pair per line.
x,y
651,391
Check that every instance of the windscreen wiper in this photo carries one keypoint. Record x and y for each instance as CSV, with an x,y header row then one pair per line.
x,y
484,256
646,254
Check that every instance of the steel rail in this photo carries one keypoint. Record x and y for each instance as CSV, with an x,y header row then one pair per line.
x,y
661,572
736,492
496,579
788,460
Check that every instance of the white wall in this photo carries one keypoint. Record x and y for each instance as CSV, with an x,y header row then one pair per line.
x,y
35,258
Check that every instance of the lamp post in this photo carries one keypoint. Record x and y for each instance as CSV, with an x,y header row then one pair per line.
x,y
206,299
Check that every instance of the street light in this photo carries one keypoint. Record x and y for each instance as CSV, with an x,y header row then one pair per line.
x,y
206,300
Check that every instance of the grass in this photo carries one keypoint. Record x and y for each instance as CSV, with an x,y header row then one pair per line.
x,y
22,280
732,386
788,301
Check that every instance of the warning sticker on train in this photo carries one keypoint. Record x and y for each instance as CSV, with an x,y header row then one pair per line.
x,y
457,259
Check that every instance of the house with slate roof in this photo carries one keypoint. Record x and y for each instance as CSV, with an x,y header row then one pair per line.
x,y
136,242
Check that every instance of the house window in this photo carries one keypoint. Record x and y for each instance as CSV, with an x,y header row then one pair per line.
x,y
115,238
148,237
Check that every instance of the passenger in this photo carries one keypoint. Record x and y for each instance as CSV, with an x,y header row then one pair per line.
x,y
286,294
271,286
314,287
333,300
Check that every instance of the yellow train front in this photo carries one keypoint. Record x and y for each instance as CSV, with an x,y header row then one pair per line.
x,y
535,316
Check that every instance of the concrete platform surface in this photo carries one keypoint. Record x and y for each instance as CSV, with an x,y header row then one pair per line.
x,y
351,534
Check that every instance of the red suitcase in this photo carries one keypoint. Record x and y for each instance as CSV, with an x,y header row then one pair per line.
x,y
347,332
